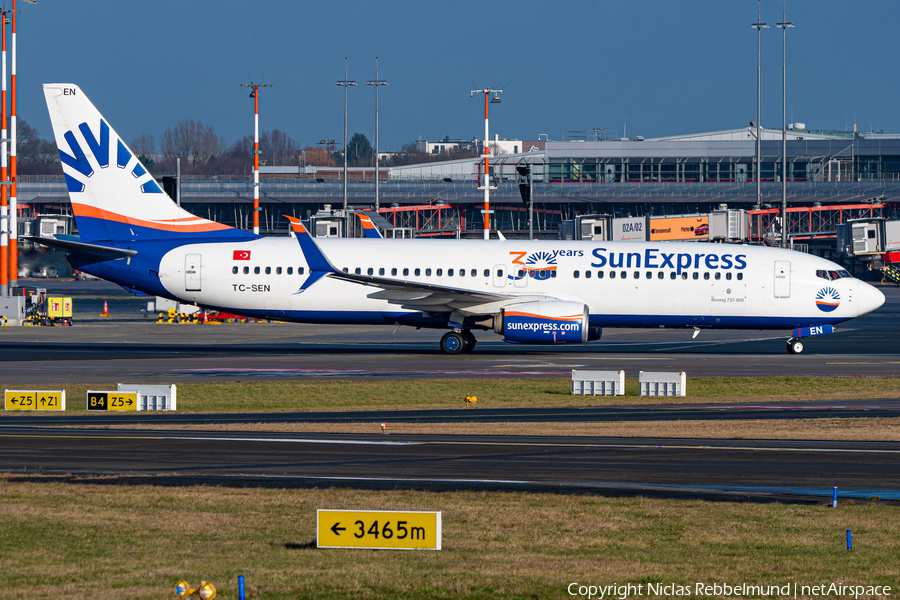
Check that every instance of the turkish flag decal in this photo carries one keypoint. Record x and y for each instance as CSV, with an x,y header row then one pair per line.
x,y
241,255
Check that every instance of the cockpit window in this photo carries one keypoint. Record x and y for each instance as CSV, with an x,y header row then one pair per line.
x,y
839,274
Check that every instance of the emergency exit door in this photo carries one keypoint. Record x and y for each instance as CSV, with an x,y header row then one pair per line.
x,y
192,273
782,279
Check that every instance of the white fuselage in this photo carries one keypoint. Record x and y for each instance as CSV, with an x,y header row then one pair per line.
x,y
638,284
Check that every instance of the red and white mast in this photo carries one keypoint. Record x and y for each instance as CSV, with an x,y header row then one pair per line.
x,y
255,95
486,182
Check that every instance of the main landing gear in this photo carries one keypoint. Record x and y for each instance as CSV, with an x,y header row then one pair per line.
x,y
794,346
458,342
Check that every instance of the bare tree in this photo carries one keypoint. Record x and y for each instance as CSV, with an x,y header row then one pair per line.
x,y
193,141
144,145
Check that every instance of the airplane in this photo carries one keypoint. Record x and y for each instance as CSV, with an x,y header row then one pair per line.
x,y
529,292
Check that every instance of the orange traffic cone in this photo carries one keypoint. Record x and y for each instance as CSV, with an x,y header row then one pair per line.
x,y
105,312
205,318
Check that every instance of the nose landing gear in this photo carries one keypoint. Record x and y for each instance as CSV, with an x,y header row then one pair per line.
x,y
794,346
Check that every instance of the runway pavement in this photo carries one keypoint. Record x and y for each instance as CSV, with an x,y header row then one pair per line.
x,y
843,409
747,469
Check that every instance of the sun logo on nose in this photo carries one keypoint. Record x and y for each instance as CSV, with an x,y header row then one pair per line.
x,y
828,299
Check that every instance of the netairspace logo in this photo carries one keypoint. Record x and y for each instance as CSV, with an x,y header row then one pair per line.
x,y
790,590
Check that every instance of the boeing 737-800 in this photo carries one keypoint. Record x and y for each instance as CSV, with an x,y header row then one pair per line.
x,y
529,292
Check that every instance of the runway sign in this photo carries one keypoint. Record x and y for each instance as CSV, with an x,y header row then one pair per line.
x,y
378,529
112,400
35,400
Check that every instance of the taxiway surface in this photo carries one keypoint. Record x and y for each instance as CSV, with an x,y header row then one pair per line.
x,y
673,468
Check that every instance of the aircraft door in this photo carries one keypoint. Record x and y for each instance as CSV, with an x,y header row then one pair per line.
x,y
519,274
499,276
782,279
192,273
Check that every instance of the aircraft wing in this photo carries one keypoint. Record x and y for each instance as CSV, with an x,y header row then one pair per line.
x,y
78,247
409,295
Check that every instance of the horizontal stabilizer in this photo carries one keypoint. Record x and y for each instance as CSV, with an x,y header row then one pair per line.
x,y
76,247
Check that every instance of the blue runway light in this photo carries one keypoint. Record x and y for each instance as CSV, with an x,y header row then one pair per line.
x,y
241,595
849,540
834,498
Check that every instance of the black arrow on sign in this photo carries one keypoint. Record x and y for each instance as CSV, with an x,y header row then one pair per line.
x,y
130,402
335,528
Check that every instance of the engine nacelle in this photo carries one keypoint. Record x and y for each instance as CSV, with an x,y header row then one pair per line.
x,y
545,322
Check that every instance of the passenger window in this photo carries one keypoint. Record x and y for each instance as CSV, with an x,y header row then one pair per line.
x,y
599,274
234,270
521,273
637,275
371,271
696,276
256,270
487,273
660,275
575,274
612,274
405,272
346,270
268,270
474,273
624,275
439,272
552,274
649,275
246,270
394,272
706,276
290,270
278,270
418,272
381,270
672,275
587,274
543,274
358,271
499,272
728,276
718,276
462,272
300,271
450,272
684,276
740,276
427,272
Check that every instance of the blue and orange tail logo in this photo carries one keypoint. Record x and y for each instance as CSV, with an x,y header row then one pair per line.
x,y
368,227
828,299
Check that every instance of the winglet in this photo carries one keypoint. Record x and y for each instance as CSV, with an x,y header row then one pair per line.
x,y
319,266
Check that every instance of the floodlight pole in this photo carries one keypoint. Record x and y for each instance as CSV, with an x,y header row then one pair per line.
x,y
376,83
486,183
758,27
4,191
784,25
345,83
255,95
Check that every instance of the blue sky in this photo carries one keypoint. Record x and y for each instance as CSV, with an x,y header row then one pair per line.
x,y
667,67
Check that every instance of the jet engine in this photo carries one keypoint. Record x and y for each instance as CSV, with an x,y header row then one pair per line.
x,y
545,322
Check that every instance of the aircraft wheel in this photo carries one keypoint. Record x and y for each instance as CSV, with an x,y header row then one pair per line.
x,y
453,343
795,347
470,341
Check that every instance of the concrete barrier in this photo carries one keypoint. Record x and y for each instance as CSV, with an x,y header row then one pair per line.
x,y
598,383
663,384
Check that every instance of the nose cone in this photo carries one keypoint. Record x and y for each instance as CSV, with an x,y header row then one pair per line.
x,y
870,298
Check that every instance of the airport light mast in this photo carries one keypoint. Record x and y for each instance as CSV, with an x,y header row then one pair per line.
x,y
4,190
255,95
486,182
345,83
758,27
784,26
376,83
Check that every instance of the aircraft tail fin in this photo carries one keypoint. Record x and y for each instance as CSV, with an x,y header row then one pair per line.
x,y
368,227
113,196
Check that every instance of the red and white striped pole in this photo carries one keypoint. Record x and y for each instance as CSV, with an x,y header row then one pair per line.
x,y
256,159
13,215
486,211
4,191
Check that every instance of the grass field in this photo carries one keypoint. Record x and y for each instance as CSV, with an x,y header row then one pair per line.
x,y
90,540
269,396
